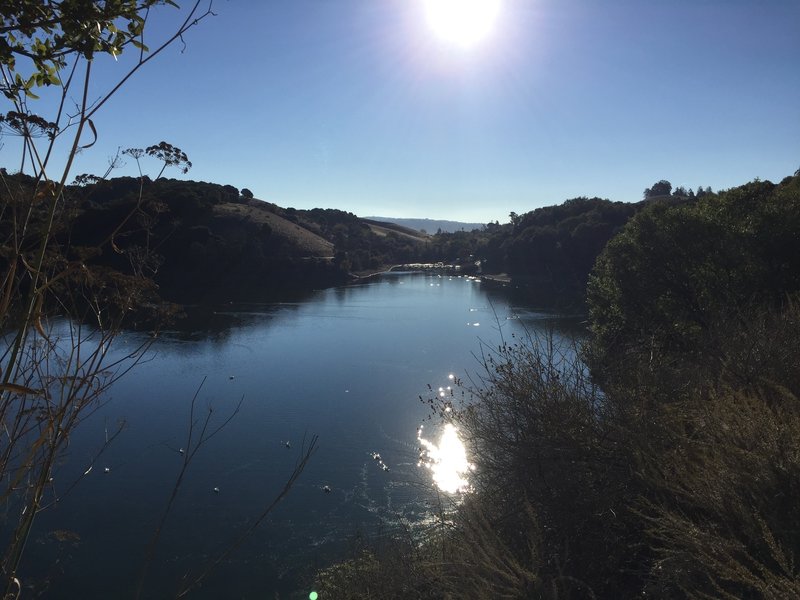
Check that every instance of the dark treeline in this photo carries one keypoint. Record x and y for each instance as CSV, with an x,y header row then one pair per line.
x,y
671,467
548,252
202,241
208,242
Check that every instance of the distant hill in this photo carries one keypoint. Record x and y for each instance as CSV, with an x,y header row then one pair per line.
x,y
202,241
383,227
430,226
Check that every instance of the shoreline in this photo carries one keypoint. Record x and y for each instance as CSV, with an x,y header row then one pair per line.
x,y
496,278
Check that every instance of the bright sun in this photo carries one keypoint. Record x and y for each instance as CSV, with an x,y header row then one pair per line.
x,y
462,22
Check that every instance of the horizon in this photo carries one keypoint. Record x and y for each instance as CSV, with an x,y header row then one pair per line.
x,y
381,109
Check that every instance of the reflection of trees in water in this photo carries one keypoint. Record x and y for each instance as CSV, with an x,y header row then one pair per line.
x,y
218,323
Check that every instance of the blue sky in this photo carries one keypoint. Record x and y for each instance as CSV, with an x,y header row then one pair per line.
x,y
357,105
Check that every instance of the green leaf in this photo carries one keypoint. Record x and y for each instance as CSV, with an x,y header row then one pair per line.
x,y
140,46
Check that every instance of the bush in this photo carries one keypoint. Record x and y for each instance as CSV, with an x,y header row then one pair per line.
x,y
551,514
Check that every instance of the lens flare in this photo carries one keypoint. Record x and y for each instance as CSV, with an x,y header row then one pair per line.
x,y
462,22
446,460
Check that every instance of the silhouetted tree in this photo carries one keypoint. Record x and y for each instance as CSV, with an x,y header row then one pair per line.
x,y
660,188
47,389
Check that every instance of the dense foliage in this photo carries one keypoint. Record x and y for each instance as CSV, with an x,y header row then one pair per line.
x,y
553,249
185,236
195,240
547,252
204,241
680,277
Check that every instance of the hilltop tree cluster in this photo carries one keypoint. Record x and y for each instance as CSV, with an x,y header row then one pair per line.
x,y
664,188
547,252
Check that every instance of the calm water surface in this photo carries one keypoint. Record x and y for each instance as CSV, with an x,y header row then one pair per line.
x,y
346,364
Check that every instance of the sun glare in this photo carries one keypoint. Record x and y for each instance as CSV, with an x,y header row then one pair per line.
x,y
462,22
446,460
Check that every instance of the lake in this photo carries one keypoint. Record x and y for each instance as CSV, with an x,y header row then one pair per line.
x,y
346,364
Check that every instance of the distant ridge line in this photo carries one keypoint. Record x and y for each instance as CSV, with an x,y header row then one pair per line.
x,y
429,225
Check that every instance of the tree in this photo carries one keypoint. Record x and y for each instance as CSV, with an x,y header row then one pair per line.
x,y
674,275
552,249
48,385
694,331
246,193
660,188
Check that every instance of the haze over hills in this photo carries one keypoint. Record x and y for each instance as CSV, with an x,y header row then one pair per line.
x,y
430,225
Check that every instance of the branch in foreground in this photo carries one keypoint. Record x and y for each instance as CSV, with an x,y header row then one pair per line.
x,y
305,456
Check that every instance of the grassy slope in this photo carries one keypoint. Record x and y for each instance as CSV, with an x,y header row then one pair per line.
x,y
382,229
307,242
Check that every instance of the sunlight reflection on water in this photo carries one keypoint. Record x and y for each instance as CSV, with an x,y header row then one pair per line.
x,y
447,460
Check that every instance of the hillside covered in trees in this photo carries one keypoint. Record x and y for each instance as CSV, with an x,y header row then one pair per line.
x,y
548,252
204,242
208,242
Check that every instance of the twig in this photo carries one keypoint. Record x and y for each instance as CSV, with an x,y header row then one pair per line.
x,y
305,455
